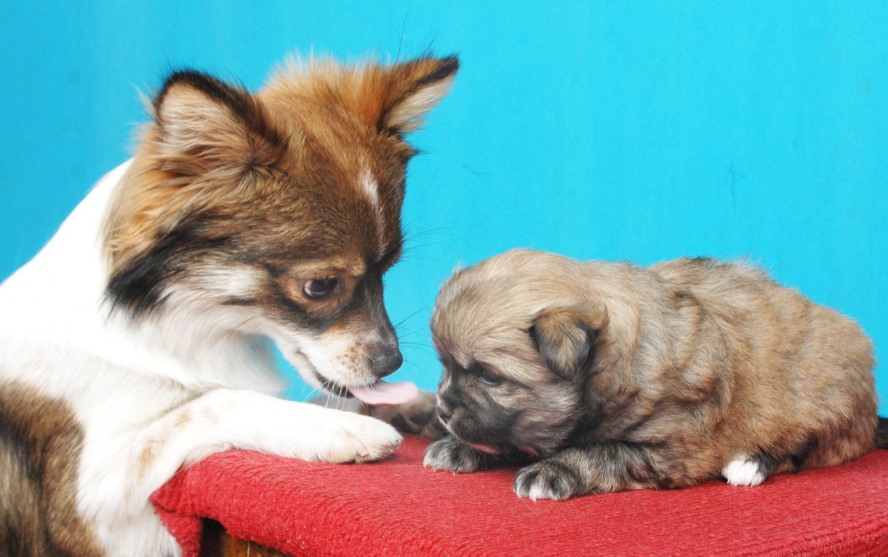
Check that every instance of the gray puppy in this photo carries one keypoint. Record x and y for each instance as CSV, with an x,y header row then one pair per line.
x,y
613,377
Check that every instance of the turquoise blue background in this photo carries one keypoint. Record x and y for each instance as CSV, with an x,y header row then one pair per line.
x,y
622,130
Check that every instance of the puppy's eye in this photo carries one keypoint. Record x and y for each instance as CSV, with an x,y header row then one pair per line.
x,y
488,377
317,289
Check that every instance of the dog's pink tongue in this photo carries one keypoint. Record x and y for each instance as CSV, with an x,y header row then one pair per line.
x,y
385,393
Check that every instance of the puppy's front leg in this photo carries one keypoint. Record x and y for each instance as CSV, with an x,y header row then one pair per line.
x,y
451,454
600,468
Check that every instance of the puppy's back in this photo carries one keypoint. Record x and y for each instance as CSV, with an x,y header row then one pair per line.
x,y
802,372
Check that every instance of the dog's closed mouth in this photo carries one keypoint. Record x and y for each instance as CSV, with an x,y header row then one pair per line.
x,y
382,393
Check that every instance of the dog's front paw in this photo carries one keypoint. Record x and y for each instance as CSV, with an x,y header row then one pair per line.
x,y
452,455
417,416
356,438
547,479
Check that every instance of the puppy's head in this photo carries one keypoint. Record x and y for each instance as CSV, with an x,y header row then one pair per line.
x,y
517,335
276,213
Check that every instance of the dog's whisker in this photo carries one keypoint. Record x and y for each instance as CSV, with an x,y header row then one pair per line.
x,y
419,346
240,325
411,331
411,316
440,231
404,336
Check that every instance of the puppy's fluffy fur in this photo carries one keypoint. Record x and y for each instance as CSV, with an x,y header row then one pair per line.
x,y
618,377
135,341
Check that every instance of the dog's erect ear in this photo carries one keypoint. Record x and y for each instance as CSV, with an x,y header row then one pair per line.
x,y
387,98
566,336
406,92
204,124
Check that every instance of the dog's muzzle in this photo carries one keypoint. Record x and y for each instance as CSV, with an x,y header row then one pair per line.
x,y
386,361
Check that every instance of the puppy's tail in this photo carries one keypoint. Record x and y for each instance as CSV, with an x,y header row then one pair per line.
x,y
882,433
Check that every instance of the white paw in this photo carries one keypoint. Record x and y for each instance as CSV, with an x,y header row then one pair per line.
x,y
354,438
742,472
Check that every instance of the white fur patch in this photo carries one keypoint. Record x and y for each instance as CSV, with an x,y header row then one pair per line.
x,y
231,282
742,472
168,389
370,189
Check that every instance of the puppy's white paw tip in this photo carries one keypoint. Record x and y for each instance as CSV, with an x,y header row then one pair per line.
x,y
742,472
536,493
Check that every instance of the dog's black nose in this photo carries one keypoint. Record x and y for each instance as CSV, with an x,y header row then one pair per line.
x,y
386,362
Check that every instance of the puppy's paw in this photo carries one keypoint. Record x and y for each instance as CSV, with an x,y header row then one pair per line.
x,y
452,455
417,416
547,479
743,472
355,438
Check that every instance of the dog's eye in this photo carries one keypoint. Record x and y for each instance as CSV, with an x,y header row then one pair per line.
x,y
488,377
317,289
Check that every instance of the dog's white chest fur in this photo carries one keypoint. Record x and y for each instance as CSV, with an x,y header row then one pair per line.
x,y
59,337
141,331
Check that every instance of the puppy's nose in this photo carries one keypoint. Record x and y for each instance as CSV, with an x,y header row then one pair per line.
x,y
386,362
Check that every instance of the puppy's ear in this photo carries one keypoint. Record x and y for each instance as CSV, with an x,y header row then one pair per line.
x,y
203,124
566,336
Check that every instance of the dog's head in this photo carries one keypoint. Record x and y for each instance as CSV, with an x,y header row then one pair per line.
x,y
517,335
276,213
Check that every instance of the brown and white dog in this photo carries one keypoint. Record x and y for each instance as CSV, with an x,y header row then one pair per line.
x,y
618,377
136,340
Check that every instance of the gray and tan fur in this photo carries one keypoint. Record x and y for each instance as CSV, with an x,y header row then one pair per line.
x,y
618,377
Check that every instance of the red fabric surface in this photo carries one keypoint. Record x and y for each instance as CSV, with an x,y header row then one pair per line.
x,y
397,507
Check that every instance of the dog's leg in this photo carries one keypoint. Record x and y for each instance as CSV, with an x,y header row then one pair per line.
x,y
419,416
225,418
124,464
600,468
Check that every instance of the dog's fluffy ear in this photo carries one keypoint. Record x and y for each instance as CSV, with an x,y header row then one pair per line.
x,y
202,128
392,99
406,92
566,336
204,124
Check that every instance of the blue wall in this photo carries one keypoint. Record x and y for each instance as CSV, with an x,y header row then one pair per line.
x,y
614,130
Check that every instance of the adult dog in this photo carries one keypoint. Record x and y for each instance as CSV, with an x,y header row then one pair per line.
x,y
136,340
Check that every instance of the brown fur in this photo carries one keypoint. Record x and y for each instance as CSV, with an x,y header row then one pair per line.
x,y
308,135
302,181
625,377
39,447
235,212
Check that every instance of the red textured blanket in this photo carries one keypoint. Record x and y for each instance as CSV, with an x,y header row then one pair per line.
x,y
397,507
